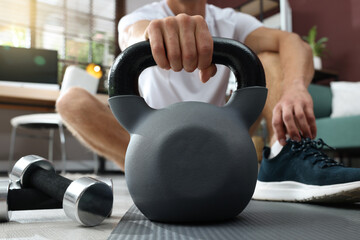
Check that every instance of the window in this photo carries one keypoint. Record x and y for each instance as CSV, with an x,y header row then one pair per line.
x,y
82,31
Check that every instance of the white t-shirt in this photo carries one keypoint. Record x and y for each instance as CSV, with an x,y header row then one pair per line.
x,y
161,87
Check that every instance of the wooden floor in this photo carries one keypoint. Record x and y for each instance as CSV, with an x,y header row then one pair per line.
x,y
53,224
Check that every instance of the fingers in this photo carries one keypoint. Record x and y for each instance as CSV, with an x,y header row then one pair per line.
x,y
310,116
207,73
293,119
188,43
306,119
278,125
204,43
170,32
289,121
302,122
182,42
155,36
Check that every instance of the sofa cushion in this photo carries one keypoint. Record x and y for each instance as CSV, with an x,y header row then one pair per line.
x,y
321,96
341,132
346,98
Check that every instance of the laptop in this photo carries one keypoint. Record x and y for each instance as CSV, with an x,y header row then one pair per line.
x,y
24,67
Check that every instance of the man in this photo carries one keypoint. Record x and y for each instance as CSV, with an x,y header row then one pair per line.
x,y
180,34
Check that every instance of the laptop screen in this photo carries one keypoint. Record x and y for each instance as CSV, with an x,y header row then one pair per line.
x,y
25,65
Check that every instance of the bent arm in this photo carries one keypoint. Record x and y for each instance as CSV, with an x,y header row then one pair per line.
x,y
295,54
293,114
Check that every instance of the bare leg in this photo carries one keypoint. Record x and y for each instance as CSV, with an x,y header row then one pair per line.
x,y
273,74
93,124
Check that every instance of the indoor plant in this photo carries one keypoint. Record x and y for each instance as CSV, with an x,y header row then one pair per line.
x,y
318,47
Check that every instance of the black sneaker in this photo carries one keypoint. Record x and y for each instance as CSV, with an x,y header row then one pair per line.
x,y
301,172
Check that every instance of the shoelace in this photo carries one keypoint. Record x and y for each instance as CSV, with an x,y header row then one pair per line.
x,y
313,148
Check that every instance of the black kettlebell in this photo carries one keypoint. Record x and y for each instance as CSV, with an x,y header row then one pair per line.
x,y
190,161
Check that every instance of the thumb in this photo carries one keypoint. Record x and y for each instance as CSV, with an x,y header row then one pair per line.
x,y
206,73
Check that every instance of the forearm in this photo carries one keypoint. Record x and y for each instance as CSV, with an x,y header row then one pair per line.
x,y
296,61
133,34
293,113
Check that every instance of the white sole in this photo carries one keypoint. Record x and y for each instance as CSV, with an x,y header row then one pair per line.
x,y
289,191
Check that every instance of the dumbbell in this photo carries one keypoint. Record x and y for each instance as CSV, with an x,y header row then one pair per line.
x,y
12,199
85,200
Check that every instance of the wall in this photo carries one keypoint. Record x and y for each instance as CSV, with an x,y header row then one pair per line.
x,y
340,22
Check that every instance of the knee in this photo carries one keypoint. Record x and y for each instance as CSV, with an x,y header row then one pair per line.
x,y
269,59
72,101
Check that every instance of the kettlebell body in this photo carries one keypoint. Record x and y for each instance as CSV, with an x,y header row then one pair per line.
x,y
190,161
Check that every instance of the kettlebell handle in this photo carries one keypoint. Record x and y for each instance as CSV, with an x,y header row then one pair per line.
x,y
124,74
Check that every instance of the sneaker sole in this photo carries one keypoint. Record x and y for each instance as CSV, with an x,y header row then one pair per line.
x,y
289,191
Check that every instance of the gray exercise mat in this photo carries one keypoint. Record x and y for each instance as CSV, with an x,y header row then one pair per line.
x,y
260,220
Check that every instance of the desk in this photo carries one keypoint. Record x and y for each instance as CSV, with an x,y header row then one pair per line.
x,y
32,99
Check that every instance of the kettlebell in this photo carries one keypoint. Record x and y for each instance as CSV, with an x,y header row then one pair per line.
x,y
190,161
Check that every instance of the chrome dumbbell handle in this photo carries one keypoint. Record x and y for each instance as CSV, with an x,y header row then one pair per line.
x,y
30,199
48,182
